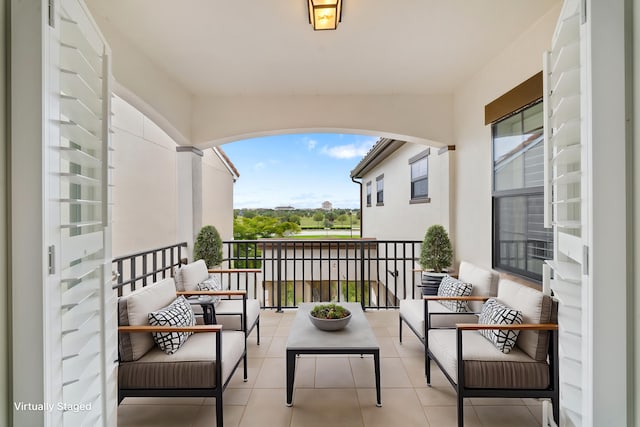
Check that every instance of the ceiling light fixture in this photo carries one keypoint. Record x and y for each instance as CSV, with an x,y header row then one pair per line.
x,y
325,14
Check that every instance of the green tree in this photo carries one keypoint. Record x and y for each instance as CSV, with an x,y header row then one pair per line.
x,y
294,219
262,227
436,252
342,218
318,217
208,246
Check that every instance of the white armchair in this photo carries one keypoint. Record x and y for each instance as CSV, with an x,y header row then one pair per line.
x,y
232,308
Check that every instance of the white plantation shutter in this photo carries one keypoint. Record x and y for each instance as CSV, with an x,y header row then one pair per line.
x,y
566,204
82,303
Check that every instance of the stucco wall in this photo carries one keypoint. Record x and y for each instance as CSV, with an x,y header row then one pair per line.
x,y
521,60
144,179
398,219
415,118
217,195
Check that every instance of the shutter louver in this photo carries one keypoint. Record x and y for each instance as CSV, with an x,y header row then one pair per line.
x,y
87,303
565,203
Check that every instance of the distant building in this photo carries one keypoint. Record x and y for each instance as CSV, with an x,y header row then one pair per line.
x,y
405,188
283,208
327,205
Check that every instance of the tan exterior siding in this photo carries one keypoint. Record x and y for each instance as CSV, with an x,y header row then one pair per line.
x,y
217,195
397,218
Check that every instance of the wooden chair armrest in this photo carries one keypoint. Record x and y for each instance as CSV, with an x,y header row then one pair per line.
x,y
234,270
467,298
519,327
149,328
224,293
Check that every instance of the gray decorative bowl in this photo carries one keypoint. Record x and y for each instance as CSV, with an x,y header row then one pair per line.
x,y
330,324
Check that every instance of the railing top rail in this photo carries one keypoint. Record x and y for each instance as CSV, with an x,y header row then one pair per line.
x,y
137,254
294,240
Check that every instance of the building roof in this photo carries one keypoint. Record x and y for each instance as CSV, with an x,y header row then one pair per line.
x,y
227,162
382,149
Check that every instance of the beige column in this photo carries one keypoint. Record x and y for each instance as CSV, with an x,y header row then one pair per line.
x,y
446,159
189,186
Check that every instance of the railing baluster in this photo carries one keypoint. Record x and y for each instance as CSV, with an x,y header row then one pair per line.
x,y
279,283
353,267
144,270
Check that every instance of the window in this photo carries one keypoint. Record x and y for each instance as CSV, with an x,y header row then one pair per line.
x,y
520,241
369,193
380,190
419,165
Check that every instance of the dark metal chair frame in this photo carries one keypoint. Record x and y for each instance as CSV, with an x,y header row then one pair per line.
x,y
552,392
216,391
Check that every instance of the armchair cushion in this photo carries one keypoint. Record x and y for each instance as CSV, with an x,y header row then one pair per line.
x,y
412,311
485,282
178,313
484,366
450,287
188,276
535,307
134,309
193,367
228,313
495,313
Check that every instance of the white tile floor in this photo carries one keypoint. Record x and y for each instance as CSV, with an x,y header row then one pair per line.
x,y
333,390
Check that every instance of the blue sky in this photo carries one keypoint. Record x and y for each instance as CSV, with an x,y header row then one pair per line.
x,y
298,170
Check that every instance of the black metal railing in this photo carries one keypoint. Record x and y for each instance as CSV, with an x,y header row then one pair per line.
x,y
283,273
376,273
147,267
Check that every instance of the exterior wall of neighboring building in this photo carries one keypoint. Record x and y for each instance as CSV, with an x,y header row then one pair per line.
x,y
144,183
472,207
217,194
397,218
146,193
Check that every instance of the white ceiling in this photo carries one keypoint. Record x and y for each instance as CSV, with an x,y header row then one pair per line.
x,y
265,47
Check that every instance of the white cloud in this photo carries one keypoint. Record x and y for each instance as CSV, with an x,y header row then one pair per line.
x,y
348,151
259,166
311,144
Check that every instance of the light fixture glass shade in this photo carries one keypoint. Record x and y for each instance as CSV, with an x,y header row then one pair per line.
x,y
325,14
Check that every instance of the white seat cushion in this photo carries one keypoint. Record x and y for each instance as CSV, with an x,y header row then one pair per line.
x,y
484,365
536,307
412,310
134,309
228,313
485,282
193,366
191,274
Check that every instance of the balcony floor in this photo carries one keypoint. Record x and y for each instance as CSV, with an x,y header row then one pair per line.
x,y
333,390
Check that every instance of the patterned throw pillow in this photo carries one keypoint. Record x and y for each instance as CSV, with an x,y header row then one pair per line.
x,y
211,284
178,313
451,287
496,313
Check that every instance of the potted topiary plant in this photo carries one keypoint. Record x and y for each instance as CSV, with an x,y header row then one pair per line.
x,y
435,256
208,246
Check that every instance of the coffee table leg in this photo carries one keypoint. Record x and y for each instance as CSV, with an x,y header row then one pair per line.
x,y
376,365
291,373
